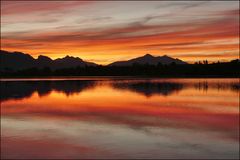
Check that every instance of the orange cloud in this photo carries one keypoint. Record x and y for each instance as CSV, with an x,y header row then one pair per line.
x,y
131,39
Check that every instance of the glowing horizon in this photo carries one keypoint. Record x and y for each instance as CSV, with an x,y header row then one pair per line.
x,y
104,32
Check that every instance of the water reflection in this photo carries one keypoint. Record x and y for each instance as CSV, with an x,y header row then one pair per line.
x,y
150,88
23,89
137,118
234,86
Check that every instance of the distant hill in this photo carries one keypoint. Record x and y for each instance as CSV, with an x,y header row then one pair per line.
x,y
148,59
17,64
14,61
69,62
19,61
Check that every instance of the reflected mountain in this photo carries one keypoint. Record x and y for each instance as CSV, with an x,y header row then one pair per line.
x,y
23,89
148,88
164,88
234,86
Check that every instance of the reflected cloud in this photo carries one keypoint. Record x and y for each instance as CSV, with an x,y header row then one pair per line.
x,y
115,111
12,148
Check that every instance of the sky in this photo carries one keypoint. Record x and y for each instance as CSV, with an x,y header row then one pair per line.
x,y
108,31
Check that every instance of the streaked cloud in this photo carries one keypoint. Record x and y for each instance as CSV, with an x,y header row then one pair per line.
x,y
113,30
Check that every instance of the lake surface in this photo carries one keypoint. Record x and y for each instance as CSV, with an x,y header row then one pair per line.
x,y
119,118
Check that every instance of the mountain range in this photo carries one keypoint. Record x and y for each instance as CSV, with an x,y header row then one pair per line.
x,y
149,59
19,61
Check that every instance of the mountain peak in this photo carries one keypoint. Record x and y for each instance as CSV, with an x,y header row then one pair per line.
x,y
67,57
165,56
147,55
41,57
149,59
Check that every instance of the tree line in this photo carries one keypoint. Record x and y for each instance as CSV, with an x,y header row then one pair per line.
x,y
223,69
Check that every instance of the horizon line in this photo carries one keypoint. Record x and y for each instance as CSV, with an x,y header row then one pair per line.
x,y
86,60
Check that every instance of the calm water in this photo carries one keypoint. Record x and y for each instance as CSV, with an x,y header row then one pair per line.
x,y
120,118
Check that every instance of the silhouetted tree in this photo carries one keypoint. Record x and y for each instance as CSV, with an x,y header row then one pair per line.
x,y
220,69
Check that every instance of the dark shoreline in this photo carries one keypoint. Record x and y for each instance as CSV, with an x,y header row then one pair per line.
x,y
117,77
218,70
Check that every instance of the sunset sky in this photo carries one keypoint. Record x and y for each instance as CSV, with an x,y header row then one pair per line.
x,y
107,31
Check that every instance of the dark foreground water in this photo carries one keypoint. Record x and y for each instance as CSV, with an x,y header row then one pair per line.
x,y
119,118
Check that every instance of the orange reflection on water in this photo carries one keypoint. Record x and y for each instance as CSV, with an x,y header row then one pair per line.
x,y
110,104
103,101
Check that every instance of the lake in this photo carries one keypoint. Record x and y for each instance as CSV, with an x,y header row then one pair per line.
x,y
67,118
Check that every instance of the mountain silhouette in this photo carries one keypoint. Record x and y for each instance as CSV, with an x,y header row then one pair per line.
x,y
69,62
15,64
13,61
16,60
44,61
19,61
149,59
